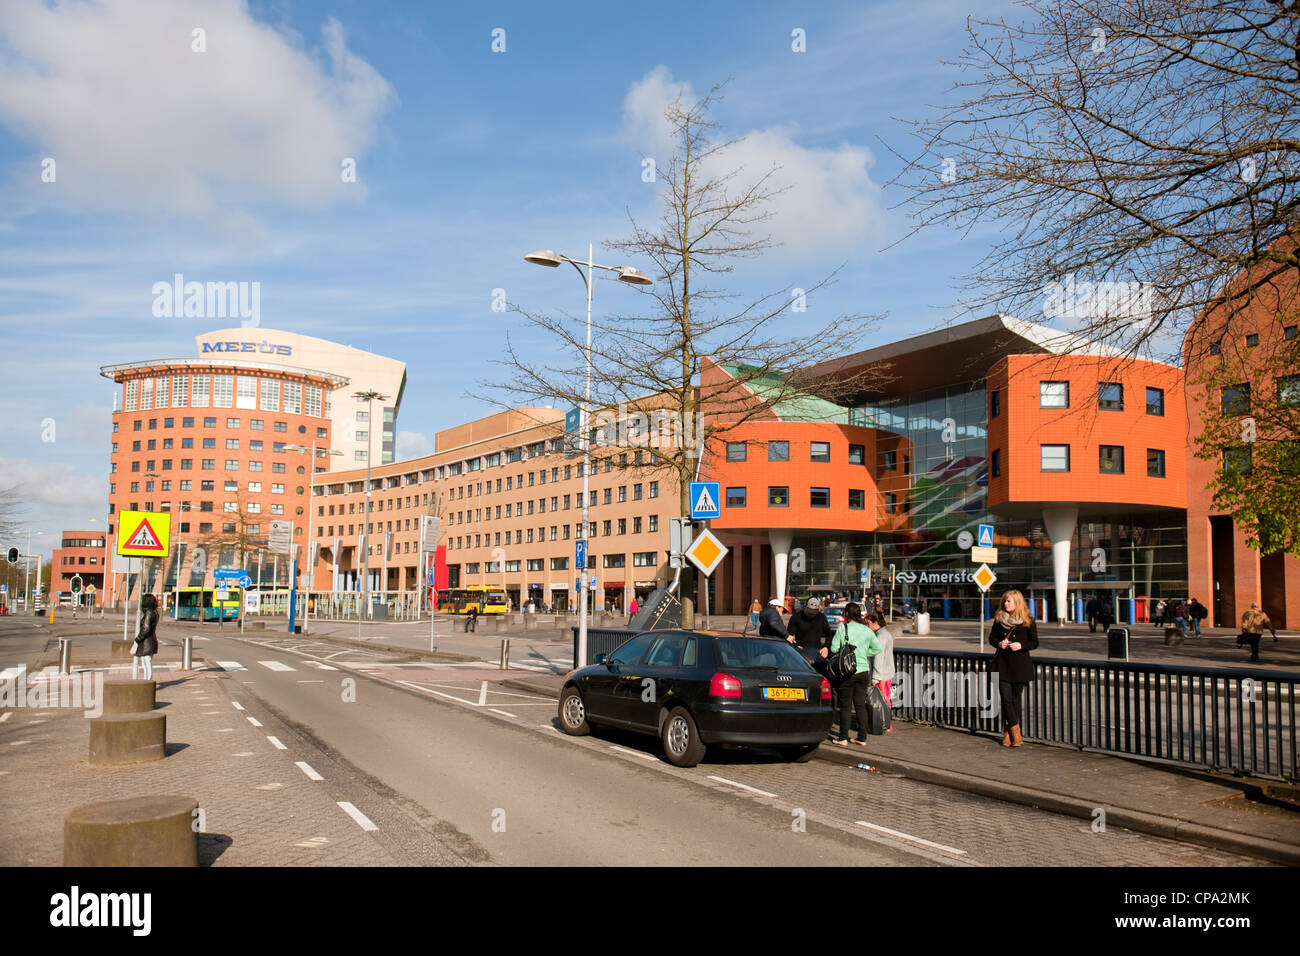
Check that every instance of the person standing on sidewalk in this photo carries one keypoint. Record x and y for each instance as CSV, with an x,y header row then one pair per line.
x,y
809,627
882,665
862,639
471,619
770,623
755,609
1253,624
146,638
1196,613
1014,635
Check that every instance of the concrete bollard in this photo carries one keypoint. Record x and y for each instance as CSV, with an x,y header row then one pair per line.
x,y
137,831
122,696
122,739
530,622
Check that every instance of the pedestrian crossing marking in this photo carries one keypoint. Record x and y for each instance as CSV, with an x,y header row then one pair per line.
x,y
231,666
275,666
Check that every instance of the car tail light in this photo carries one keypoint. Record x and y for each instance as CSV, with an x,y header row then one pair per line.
x,y
724,685
826,689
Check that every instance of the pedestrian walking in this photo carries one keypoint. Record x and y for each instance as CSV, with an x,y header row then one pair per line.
x,y
755,609
1180,618
1160,613
770,623
1253,624
471,619
1093,609
882,665
1196,613
855,633
146,638
1014,635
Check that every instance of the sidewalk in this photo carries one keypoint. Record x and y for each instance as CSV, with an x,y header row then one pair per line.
x,y
1173,802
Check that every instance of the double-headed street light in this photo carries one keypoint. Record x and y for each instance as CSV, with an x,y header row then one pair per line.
x,y
552,259
370,398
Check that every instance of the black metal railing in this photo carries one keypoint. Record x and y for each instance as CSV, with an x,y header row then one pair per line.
x,y
1230,719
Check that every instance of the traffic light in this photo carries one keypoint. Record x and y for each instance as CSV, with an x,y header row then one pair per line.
x,y
13,555
76,583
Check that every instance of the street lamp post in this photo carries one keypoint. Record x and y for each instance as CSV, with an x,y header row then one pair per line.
x,y
181,508
552,259
311,496
369,397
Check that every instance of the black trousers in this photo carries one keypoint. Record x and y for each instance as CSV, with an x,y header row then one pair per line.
x,y
854,691
1011,695
1253,641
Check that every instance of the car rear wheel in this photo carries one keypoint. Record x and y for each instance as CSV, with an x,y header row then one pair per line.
x,y
573,713
799,754
681,740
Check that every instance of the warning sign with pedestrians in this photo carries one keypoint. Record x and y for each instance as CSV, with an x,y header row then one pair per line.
x,y
144,534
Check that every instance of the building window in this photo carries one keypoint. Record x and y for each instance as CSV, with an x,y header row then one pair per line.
x,y
1155,401
1236,399
778,451
622,526
614,560
736,497
891,503
820,451
857,499
232,444
857,454
654,489
819,497
1155,463
1288,389
654,523
1290,332
995,403
891,461
778,496
1216,348
1252,340
1055,457
1111,459
1236,461
559,564
995,463
735,451
1053,394
1110,396
223,391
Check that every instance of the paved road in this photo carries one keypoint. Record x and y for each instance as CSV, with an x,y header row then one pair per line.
x,y
490,763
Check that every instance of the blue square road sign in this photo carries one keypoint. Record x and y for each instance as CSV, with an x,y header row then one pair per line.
x,y
985,537
705,499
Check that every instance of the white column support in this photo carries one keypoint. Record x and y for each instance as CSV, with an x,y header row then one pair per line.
x,y
780,540
1059,521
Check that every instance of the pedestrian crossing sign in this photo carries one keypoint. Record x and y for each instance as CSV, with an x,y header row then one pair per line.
x,y
704,500
985,537
144,534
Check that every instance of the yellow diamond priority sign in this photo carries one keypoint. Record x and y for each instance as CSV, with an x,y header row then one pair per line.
x,y
706,552
144,534
984,577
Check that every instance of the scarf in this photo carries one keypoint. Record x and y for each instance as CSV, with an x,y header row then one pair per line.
x,y
1006,620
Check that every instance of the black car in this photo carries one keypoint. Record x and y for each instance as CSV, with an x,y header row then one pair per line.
x,y
696,688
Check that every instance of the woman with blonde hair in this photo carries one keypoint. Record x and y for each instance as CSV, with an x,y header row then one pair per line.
x,y
1013,636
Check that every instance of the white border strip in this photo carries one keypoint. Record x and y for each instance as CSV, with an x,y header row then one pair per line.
x,y
361,819
907,836
742,786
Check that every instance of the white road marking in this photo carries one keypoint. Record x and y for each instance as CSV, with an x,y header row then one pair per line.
x,y
226,730
231,666
321,666
246,753
254,721
634,753
270,786
362,820
482,694
313,843
907,836
275,666
306,768
18,743
742,786
501,712
311,682
238,705
5,716
276,742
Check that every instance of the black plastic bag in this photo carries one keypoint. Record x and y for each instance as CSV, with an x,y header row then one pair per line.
x,y
879,718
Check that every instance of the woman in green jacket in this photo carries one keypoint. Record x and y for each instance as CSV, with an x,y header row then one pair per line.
x,y
866,645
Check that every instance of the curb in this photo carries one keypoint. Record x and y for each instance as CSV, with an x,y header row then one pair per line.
x,y
1140,821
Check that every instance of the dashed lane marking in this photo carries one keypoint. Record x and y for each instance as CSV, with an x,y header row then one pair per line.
x,y
306,768
907,836
634,753
238,705
361,819
5,716
320,666
275,666
275,741
254,721
743,786
502,713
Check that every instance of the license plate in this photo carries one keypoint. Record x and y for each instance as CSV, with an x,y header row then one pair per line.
x,y
783,693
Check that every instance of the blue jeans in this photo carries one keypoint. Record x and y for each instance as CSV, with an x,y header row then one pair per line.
x,y
1196,626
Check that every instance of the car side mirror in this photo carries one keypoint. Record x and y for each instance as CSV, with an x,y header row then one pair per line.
x,y
600,658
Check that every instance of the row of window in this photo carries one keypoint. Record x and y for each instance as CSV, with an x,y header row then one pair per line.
x,y
1110,397
1252,339
254,424
650,524
69,559
186,484
224,391
640,559
205,464
819,451
1235,400
778,496
467,491
1110,460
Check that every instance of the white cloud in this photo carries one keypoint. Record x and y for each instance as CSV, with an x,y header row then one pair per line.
x,y
411,445
829,202
53,486
135,119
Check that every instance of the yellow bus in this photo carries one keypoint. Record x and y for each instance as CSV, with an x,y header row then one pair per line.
x,y
201,604
460,600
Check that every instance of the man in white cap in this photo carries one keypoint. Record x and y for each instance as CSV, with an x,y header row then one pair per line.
x,y
770,623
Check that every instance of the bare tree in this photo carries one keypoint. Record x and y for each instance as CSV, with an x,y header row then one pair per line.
x,y
1132,156
654,360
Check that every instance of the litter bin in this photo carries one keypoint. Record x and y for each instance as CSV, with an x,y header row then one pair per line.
x,y
922,622
1117,644
378,609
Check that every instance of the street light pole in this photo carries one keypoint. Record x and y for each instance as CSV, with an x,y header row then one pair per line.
x,y
550,258
368,397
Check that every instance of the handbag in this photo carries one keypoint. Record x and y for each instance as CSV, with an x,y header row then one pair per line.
x,y
843,664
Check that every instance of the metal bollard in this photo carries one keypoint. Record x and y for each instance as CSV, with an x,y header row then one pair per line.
x,y
505,654
187,655
65,655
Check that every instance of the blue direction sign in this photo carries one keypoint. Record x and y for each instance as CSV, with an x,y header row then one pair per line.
x,y
244,580
572,419
985,537
223,573
705,499
433,582
580,555
866,576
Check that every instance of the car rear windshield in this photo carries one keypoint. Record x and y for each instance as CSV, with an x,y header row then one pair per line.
x,y
756,652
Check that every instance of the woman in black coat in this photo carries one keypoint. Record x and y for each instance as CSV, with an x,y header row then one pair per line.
x,y
146,637
1013,636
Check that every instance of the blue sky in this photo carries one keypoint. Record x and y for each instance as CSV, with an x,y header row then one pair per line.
x,y
224,165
